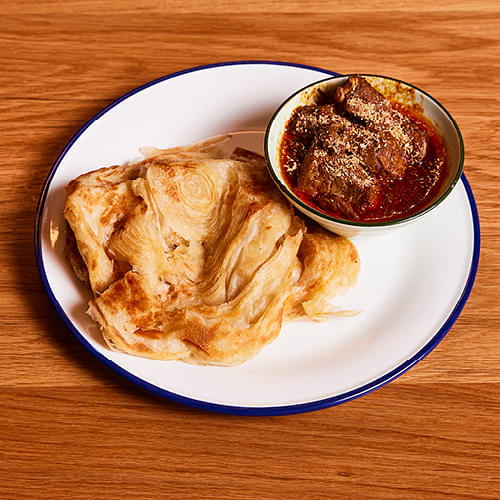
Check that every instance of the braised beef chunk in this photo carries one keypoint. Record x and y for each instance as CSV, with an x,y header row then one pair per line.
x,y
306,121
362,101
334,178
356,93
379,153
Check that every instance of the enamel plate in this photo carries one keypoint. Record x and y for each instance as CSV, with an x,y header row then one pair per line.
x,y
412,286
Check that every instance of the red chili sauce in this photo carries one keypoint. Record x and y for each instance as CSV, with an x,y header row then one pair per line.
x,y
398,197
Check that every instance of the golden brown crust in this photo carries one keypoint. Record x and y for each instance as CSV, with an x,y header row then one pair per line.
x,y
195,256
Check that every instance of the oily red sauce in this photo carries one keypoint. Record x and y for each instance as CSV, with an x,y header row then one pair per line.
x,y
399,197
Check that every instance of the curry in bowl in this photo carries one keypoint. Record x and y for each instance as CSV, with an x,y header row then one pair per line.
x,y
363,154
357,155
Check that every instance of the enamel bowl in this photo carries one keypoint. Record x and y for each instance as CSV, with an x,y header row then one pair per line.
x,y
397,91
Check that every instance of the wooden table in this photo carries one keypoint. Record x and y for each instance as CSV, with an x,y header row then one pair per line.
x,y
71,428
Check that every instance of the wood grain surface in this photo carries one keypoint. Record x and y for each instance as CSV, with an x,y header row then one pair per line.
x,y
71,428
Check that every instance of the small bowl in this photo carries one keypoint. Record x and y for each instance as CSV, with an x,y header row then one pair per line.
x,y
397,91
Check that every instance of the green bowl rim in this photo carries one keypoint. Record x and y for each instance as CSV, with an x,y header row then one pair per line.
x,y
286,191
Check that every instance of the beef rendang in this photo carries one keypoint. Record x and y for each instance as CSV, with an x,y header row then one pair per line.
x,y
358,156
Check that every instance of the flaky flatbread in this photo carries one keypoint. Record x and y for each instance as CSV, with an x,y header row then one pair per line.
x,y
194,255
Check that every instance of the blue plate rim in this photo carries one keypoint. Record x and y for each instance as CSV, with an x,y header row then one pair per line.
x,y
249,410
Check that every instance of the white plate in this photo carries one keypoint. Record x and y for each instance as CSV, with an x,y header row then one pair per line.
x,y
412,286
